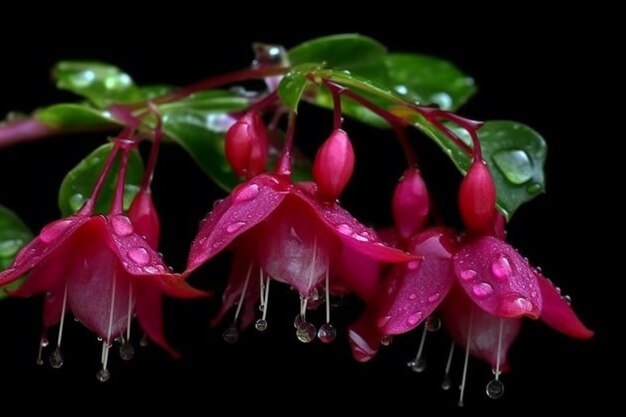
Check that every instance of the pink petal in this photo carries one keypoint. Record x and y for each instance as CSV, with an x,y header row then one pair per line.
x,y
53,305
248,205
364,337
485,329
359,273
412,291
46,275
497,278
53,236
149,310
558,314
360,238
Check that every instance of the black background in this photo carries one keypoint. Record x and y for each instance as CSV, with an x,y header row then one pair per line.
x,y
548,71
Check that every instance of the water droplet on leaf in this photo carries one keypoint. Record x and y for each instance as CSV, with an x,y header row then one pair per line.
x,y
515,165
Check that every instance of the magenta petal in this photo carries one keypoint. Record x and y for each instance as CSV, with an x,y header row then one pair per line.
x,y
412,291
364,337
46,275
144,218
558,314
360,238
149,310
359,273
497,278
53,305
51,237
485,329
248,204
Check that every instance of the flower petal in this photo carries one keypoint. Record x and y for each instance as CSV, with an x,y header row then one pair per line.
x,y
149,310
497,278
144,218
485,329
412,291
53,236
248,204
364,337
358,273
557,313
360,238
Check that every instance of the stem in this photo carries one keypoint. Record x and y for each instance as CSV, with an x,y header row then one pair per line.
x,y
154,150
409,154
335,91
284,163
266,101
117,207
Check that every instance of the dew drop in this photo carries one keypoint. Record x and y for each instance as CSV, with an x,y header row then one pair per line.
x,y
359,238
414,318
103,375
413,265
246,193
344,229
121,225
515,165
418,365
139,255
446,383
386,340
482,290
231,335
298,321
382,322
150,270
534,188
52,231
567,299
494,389
56,359
76,201
261,325
306,332
327,333
433,323
501,268
127,351
412,296
434,297
468,275
233,227
44,342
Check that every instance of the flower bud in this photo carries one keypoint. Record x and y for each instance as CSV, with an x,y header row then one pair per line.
x,y
410,203
477,199
333,165
246,145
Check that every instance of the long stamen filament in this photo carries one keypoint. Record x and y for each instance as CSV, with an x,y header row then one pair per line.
x,y
467,350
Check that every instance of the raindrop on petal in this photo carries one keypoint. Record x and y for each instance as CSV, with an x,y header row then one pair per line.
x,y
139,255
482,290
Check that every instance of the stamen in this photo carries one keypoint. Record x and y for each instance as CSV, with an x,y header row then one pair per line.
x,y
467,349
495,387
327,332
103,374
446,384
261,290
43,342
261,324
127,351
56,358
231,334
419,364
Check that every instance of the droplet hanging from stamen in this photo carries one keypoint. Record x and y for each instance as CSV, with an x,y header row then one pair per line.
x,y
467,349
494,389
447,382
386,340
260,325
43,342
306,332
127,351
298,321
103,375
433,323
419,364
327,333
230,335
56,358
241,298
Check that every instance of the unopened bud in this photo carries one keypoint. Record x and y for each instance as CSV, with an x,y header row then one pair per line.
x,y
333,165
246,145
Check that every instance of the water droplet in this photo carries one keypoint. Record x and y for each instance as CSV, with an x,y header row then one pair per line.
x,y
359,238
567,299
413,265
43,342
306,332
121,225
247,192
231,335
515,305
233,227
446,383
127,351
433,323
468,275
482,290
441,99
515,165
56,359
144,342
103,375
298,321
151,270
261,325
494,389
327,333
382,322
344,229
434,297
534,188
412,296
418,365
501,268
76,319
139,255
76,201
52,231
414,318
386,340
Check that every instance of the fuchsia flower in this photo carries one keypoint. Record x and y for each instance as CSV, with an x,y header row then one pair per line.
x,y
103,269
292,234
482,285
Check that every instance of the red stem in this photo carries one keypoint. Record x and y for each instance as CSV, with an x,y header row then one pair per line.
x,y
284,163
336,91
117,207
154,150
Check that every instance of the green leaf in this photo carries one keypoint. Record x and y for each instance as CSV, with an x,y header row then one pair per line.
x,y
429,80
79,182
73,115
352,52
100,83
294,83
13,236
515,154
208,100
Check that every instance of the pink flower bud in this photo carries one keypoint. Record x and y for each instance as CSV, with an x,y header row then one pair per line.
x,y
333,165
410,203
145,218
246,145
477,199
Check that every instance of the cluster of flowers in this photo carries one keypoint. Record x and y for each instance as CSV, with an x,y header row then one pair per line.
x,y
105,269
